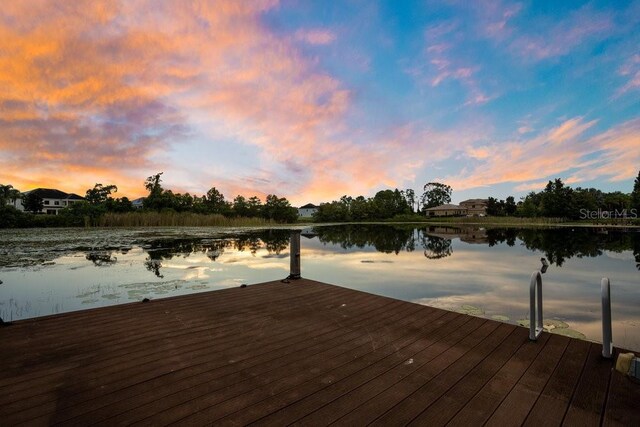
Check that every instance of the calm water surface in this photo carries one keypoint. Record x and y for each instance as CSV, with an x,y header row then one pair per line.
x,y
480,271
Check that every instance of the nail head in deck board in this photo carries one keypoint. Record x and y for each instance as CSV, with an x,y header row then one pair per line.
x,y
83,367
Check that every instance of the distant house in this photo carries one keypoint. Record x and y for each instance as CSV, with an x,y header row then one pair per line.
x,y
475,207
138,203
446,210
307,210
52,200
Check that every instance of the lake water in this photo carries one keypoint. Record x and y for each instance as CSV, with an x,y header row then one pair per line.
x,y
480,271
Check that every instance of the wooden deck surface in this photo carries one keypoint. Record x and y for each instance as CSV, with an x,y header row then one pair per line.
x,y
302,353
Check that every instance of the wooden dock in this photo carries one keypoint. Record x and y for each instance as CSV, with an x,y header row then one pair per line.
x,y
303,353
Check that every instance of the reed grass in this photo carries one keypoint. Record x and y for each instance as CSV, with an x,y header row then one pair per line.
x,y
176,219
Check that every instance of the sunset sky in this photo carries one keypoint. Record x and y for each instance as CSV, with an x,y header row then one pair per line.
x,y
311,100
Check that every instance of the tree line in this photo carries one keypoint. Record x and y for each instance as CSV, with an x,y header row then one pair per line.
x,y
559,200
100,200
386,204
213,202
556,200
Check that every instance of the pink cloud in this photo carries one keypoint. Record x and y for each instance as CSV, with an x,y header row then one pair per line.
x,y
569,130
560,151
117,86
446,65
631,70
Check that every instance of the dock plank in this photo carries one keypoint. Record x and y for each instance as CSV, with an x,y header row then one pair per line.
x,y
589,397
624,393
304,353
553,402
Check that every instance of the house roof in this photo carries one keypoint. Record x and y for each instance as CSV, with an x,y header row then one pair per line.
x,y
52,193
48,193
474,201
447,207
138,201
309,206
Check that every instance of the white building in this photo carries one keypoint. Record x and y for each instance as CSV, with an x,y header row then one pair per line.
x,y
52,200
307,210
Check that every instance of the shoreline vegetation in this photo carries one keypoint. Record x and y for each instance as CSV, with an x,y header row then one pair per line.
x,y
557,205
189,219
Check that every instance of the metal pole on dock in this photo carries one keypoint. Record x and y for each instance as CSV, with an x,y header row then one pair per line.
x,y
607,336
535,311
294,250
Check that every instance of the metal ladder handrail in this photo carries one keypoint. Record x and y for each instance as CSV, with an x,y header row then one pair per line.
x,y
607,336
535,322
535,312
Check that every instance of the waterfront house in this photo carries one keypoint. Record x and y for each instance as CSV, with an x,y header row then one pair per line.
x,y
307,210
475,207
138,203
446,210
52,200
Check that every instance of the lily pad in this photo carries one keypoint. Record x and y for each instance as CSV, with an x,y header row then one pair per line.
x,y
569,333
555,326
471,310
500,318
551,324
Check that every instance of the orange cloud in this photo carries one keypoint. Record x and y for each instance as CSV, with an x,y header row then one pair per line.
x,y
101,93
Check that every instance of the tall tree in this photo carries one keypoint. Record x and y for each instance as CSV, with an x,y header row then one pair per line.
x,y
493,207
279,209
100,193
410,197
255,207
510,206
32,202
8,194
215,202
435,194
153,186
240,206
556,200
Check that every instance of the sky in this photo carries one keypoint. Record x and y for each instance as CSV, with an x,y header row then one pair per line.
x,y
313,100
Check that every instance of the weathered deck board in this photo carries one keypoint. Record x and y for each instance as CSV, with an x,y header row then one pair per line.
x,y
302,353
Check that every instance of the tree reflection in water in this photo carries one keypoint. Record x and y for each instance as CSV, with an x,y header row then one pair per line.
x,y
101,258
558,244
436,247
273,241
